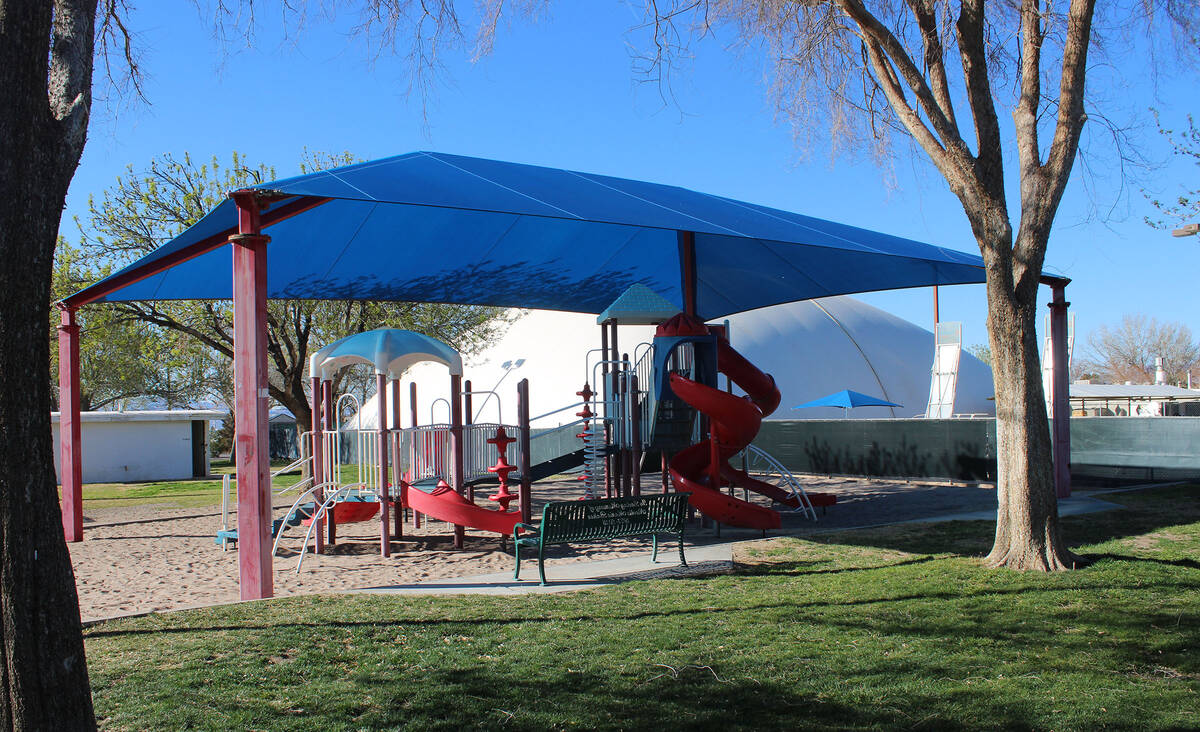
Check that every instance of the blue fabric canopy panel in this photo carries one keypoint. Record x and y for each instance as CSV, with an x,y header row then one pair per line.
x,y
431,227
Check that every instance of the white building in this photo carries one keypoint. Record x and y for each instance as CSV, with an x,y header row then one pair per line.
x,y
139,446
812,348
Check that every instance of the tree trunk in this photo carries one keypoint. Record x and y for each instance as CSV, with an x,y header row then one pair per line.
x,y
1027,527
43,674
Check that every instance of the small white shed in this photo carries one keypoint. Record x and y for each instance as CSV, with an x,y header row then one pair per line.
x,y
138,446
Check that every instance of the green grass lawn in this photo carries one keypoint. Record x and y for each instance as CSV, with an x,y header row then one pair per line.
x,y
882,629
198,493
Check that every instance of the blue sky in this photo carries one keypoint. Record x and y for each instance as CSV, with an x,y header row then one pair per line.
x,y
561,92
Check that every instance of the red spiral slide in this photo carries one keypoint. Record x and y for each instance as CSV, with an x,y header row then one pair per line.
x,y
734,422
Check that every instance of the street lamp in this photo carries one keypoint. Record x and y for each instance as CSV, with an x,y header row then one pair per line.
x,y
509,367
1188,230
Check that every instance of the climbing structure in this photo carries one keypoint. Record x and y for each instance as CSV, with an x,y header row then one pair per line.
x,y
502,497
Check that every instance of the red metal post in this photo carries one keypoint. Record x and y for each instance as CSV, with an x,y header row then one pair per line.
x,y
318,462
687,266
635,432
525,493
330,426
385,539
456,447
250,403
70,465
626,454
412,400
1060,387
602,387
468,403
397,467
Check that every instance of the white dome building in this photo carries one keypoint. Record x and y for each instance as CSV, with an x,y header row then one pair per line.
x,y
812,348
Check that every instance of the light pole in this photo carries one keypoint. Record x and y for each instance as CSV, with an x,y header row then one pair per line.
x,y
1186,230
509,367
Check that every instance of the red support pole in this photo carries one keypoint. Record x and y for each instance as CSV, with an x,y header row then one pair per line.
x,y
687,265
255,565
385,539
397,468
330,426
525,493
412,400
635,415
318,461
70,446
602,387
1060,402
468,403
456,447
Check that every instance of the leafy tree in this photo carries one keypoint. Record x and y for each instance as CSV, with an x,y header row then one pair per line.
x,y
126,363
982,352
48,50
144,210
937,74
1127,352
1186,206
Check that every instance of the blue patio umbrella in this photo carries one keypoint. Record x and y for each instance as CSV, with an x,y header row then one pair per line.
x,y
847,399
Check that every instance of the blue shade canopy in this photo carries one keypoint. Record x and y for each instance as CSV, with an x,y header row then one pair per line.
x,y
848,399
432,227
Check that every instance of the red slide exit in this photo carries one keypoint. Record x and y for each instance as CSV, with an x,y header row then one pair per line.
x,y
734,422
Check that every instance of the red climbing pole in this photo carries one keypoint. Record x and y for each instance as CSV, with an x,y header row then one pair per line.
x,y
502,468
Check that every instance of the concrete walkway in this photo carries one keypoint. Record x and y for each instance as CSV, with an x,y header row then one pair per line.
x,y
708,553
713,558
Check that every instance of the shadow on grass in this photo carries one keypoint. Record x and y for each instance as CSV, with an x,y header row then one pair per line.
x,y
1144,511
615,615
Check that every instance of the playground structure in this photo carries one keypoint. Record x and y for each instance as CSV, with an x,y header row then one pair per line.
x,y
433,227
432,470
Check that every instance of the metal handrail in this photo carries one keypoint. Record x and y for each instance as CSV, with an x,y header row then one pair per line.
x,y
790,480
556,411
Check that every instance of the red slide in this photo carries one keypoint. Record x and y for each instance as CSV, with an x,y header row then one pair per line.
x,y
445,504
734,421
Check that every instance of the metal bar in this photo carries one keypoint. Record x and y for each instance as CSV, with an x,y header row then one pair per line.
x,y
1060,392
525,492
318,458
466,395
255,568
412,401
687,270
334,456
70,445
456,448
385,539
635,428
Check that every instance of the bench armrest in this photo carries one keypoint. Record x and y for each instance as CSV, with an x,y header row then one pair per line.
x,y
527,527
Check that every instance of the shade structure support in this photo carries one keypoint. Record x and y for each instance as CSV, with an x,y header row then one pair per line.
x,y
687,270
318,458
1060,397
70,455
330,426
385,539
526,489
250,401
456,448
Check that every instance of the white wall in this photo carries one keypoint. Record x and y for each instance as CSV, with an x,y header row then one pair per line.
x,y
812,348
133,451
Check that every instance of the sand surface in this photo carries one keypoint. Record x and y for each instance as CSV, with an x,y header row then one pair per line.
x,y
147,558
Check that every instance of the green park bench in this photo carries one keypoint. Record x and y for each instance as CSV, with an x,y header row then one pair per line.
x,y
606,518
